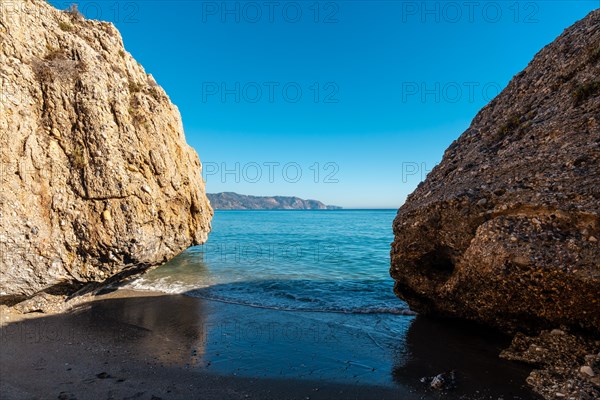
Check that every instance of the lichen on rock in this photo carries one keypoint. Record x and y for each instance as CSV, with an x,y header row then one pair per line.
x,y
96,175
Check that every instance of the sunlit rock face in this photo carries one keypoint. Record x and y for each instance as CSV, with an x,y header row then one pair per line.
x,y
96,173
505,229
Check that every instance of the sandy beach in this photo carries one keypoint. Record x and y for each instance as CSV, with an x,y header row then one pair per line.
x,y
137,345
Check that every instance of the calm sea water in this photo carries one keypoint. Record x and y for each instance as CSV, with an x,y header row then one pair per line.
x,y
342,323
329,261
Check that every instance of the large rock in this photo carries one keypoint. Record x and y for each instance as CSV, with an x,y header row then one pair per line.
x,y
505,229
96,174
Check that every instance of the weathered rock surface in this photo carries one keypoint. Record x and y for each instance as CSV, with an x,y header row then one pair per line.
x,y
234,201
566,365
96,174
505,229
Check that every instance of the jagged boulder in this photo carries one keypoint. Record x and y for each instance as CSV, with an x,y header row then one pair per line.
x,y
96,174
505,229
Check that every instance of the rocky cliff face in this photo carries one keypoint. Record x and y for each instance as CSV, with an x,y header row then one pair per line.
x,y
234,201
505,230
96,174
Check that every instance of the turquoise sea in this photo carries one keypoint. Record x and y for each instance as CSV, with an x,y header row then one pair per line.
x,y
307,295
333,261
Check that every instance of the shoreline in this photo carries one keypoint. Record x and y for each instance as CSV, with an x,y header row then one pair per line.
x,y
62,305
114,343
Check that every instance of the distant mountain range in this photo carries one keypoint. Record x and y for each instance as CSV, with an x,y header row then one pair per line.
x,y
234,201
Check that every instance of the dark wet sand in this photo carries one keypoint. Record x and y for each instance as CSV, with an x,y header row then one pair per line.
x,y
179,347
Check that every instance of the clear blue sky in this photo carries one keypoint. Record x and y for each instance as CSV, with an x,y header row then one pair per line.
x,y
385,86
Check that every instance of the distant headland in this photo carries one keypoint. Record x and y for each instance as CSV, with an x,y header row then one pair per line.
x,y
235,201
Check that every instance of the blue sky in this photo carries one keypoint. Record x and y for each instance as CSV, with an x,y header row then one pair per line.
x,y
347,102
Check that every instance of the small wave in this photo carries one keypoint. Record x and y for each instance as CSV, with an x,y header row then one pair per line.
x,y
348,297
368,297
395,311
161,285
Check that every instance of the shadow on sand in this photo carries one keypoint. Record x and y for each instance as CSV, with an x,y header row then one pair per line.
x,y
175,346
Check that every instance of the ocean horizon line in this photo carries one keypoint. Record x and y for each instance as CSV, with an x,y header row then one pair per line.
x,y
332,210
